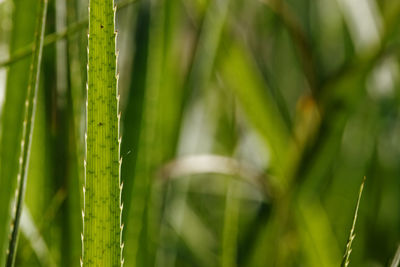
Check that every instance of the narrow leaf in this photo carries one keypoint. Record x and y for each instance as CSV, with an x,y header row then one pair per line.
x,y
31,232
346,257
102,192
396,259
30,108
53,37
241,75
12,116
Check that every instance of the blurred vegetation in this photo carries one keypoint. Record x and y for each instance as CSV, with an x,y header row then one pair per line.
x,y
247,127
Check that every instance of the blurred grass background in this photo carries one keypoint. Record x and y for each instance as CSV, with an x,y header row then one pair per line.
x,y
247,127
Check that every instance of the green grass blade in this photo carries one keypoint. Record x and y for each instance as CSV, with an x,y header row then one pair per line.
x,y
77,46
133,113
253,96
53,37
164,100
13,115
30,108
346,257
102,208
231,228
147,151
148,89
49,39
315,232
396,259
32,233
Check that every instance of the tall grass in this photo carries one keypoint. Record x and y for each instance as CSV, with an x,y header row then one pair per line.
x,y
29,106
241,125
102,190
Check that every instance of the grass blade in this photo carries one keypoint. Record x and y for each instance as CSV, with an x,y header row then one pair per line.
x,y
148,154
53,37
32,233
253,96
13,115
76,97
196,81
102,192
396,259
30,108
231,228
346,257
315,232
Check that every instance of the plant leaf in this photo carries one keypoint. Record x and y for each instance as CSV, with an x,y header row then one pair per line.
x,y
102,192
244,79
27,130
396,259
346,257
13,115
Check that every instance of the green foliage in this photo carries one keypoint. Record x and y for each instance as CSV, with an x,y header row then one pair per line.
x,y
102,190
236,128
17,170
13,121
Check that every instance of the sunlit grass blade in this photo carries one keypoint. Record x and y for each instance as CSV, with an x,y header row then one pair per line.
x,y
31,232
193,232
257,103
316,234
28,124
102,191
396,259
346,256
13,115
